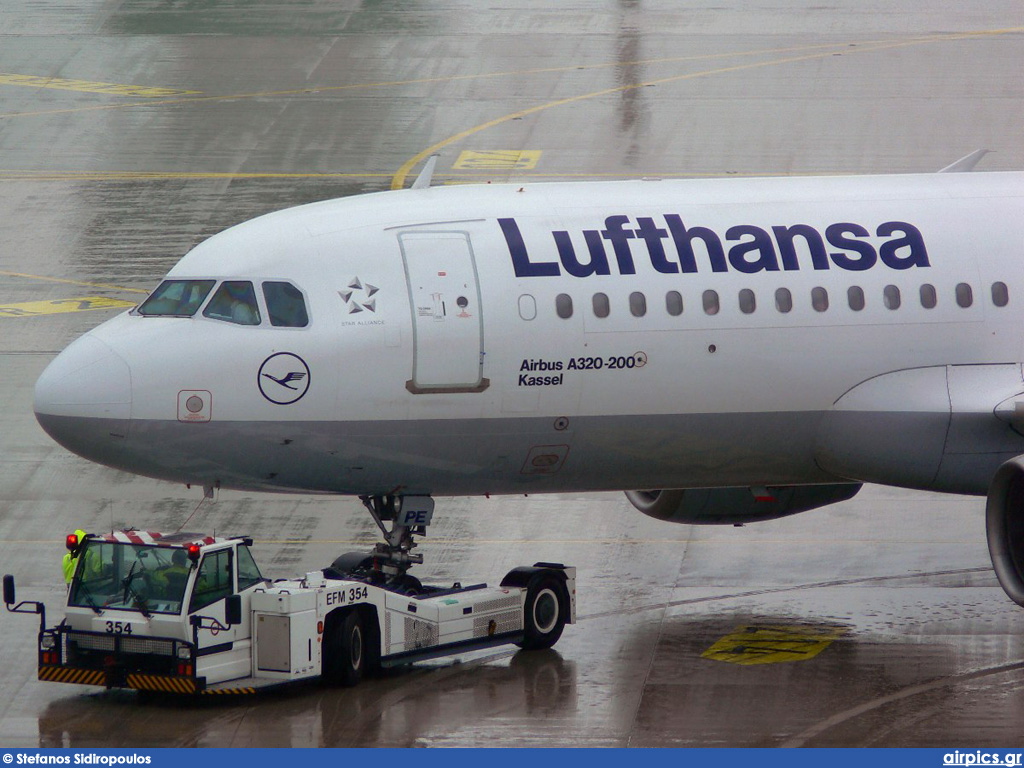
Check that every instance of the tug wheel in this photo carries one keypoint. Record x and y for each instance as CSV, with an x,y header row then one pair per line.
x,y
345,650
545,613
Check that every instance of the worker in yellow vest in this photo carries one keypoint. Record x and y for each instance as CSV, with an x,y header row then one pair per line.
x,y
71,557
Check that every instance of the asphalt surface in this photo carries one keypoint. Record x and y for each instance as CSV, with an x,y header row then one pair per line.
x,y
131,130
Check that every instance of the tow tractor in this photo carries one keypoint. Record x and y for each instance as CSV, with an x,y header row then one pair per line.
x,y
192,614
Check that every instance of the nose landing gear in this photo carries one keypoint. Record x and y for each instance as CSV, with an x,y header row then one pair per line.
x,y
408,516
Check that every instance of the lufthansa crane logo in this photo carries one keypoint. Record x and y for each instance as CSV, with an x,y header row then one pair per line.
x,y
283,378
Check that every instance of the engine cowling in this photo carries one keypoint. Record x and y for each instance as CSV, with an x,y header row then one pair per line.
x,y
1004,523
730,506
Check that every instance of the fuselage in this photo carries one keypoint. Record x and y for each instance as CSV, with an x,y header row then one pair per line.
x,y
571,337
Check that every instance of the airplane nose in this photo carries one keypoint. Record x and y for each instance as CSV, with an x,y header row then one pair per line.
x,y
83,399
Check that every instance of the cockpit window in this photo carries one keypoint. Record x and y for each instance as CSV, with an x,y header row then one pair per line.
x,y
235,302
285,305
176,298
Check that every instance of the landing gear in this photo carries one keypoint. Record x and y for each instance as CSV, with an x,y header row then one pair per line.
x,y
409,516
389,562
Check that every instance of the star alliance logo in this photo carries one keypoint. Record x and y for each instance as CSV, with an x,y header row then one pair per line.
x,y
359,296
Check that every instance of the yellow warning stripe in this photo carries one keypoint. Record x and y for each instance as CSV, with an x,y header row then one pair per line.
x,y
161,683
89,86
70,675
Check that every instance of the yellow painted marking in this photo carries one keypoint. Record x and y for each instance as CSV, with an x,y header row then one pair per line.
x,y
497,160
58,306
519,73
398,180
416,81
88,86
773,643
467,177
163,175
72,282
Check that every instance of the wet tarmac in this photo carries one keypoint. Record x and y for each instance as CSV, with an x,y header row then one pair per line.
x,y
131,130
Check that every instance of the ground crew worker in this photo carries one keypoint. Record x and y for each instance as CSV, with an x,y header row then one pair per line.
x,y
170,580
70,561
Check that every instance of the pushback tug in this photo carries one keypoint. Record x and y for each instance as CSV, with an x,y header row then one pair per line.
x,y
193,614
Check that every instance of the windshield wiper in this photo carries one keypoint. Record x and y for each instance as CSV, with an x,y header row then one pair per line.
x,y
140,601
88,598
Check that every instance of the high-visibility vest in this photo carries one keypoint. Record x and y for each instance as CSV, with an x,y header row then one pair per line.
x,y
69,563
71,560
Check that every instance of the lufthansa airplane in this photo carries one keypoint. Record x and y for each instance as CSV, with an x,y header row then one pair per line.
x,y
756,347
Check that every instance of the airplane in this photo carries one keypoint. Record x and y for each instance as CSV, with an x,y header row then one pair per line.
x,y
723,350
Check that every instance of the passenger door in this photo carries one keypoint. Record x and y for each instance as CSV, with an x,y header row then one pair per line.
x,y
447,319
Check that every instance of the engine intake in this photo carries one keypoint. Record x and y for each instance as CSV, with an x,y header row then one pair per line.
x,y
730,506
1004,522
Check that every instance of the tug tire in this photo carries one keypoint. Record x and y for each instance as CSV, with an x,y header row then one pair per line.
x,y
545,613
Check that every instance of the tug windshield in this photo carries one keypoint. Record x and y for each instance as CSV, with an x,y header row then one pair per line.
x,y
130,577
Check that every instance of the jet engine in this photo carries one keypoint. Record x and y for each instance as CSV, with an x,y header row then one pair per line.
x,y
1004,520
723,506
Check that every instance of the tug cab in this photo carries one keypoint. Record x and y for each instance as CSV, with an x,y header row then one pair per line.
x,y
131,600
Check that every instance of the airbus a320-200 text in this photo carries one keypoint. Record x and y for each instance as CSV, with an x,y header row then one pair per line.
x,y
610,363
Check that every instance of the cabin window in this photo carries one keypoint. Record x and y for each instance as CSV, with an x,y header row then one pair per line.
x,y
855,297
674,303
602,307
1000,294
783,300
891,297
285,305
528,306
176,298
748,302
563,305
819,299
928,296
637,304
964,295
234,302
710,299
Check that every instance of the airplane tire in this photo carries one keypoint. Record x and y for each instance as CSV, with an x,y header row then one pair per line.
x,y
409,585
350,563
345,651
545,613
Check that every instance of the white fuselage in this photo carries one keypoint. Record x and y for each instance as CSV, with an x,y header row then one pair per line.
x,y
592,336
